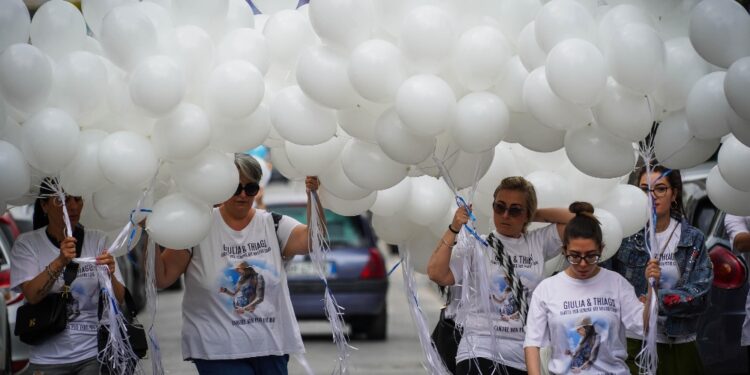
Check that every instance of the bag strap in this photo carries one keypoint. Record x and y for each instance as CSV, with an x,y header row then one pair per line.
x,y
276,219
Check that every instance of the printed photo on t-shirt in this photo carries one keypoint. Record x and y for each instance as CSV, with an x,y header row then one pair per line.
x,y
504,300
584,339
247,286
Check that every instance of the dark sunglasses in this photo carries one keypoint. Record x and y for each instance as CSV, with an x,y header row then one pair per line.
x,y
250,188
513,211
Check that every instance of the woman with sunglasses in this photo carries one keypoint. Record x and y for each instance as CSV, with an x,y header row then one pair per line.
x,y
687,274
217,336
519,258
41,261
581,313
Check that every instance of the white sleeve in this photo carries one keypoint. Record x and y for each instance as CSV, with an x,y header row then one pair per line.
x,y
458,258
631,308
286,225
547,239
735,225
537,328
24,265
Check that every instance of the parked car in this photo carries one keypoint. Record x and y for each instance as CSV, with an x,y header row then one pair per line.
x,y
16,352
356,268
721,326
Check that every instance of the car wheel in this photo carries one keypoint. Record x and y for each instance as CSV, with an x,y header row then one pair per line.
x,y
378,328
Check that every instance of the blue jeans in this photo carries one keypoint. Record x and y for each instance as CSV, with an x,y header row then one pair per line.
x,y
268,365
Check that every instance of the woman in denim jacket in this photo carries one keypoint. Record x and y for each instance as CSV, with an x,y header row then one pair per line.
x,y
686,275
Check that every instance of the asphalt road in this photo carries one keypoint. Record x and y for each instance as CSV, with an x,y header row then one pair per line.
x,y
399,354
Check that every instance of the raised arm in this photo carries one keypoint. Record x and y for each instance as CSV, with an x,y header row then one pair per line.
x,y
299,239
438,268
559,216
169,265
37,288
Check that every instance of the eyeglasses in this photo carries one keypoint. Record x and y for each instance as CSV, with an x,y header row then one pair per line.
x,y
513,211
250,189
69,199
658,191
590,258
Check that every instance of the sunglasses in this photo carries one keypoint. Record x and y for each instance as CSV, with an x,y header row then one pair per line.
x,y
250,189
513,211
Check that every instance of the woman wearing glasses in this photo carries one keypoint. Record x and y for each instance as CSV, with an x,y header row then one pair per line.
x,y
244,244
687,274
582,312
517,267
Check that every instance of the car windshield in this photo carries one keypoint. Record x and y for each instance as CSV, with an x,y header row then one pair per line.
x,y
343,231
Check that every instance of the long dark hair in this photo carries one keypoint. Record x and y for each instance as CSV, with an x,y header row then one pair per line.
x,y
676,208
584,225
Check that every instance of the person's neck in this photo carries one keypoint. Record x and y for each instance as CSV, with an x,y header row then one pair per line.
x,y
236,220
56,232
662,223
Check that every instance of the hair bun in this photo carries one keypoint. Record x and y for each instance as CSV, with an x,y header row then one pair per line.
x,y
581,208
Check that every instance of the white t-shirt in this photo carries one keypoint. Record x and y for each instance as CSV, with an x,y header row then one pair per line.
x,y
31,252
528,254
228,316
454,295
603,306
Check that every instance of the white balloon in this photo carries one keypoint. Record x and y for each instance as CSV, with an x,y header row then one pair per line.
x,y
25,77
576,71
394,229
420,247
392,200
182,134
446,153
157,84
617,17
428,35
611,232
552,190
429,198
210,177
16,173
359,122
706,108
195,50
346,207
83,176
301,120
128,36
532,134
239,135
376,70
636,56
58,28
598,153
529,161
629,204
15,23
50,140
335,181
550,109
481,56
288,32
281,163
675,147
245,44
234,89
209,15
482,121
724,196
718,31
127,159
322,75
426,104
737,87
399,143
510,87
354,20
115,203
623,112
95,10
470,168
80,85
683,67
733,158
316,159
532,56
562,19
367,166
587,188
179,222
239,15
513,16
740,127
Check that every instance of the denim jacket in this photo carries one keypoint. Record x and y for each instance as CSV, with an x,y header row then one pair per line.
x,y
684,304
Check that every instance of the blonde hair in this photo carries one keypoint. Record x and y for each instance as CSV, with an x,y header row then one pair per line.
x,y
523,185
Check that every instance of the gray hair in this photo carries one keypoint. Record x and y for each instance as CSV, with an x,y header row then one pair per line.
x,y
248,166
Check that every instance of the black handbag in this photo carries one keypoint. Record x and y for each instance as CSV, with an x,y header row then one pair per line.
x,y
37,322
135,332
446,338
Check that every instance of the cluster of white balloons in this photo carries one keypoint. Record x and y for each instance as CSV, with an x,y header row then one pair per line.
x,y
377,97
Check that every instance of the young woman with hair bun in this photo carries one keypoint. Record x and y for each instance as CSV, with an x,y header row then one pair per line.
x,y
582,312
